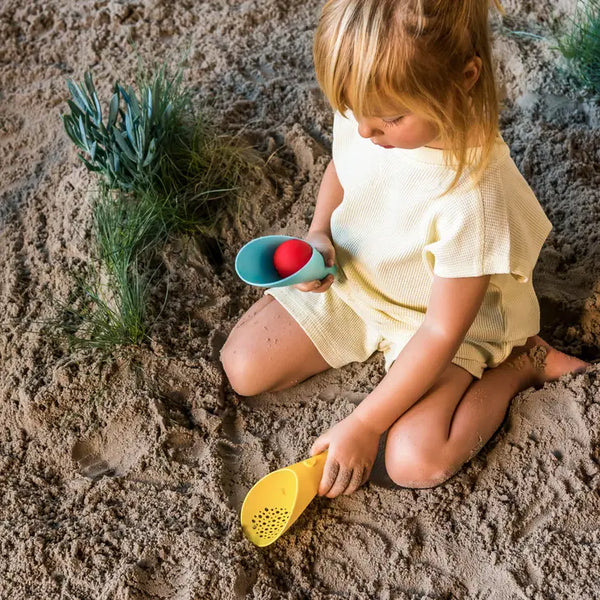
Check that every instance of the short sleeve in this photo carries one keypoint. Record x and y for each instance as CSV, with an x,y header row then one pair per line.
x,y
497,227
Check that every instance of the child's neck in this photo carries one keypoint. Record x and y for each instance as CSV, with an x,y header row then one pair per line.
x,y
474,139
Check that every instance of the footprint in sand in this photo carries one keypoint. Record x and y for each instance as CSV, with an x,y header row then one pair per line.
x,y
117,448
90,463
243,459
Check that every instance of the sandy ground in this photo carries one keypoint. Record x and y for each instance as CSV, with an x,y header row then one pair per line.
x,y
173,448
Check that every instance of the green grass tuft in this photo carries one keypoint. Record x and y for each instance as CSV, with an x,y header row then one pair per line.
x,y
164,172
114,298
202,172
581,44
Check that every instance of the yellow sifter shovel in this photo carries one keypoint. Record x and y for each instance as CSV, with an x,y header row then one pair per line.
x,y
279,498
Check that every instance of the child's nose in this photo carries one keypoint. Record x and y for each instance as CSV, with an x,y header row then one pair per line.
x,y
367,129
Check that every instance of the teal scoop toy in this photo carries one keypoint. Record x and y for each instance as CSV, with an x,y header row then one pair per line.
x,y
254,264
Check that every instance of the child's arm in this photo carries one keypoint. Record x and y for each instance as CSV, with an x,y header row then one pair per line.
x,y
330,196
453,306
352,443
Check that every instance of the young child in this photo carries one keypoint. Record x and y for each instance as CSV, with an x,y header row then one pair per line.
x,y
435,234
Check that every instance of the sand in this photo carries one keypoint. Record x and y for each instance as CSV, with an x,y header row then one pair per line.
x,y
123,477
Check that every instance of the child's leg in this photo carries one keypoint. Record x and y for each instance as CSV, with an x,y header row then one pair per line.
x,y
453,421
267,350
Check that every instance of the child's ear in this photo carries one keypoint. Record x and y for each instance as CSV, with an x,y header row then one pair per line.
x,y
472,71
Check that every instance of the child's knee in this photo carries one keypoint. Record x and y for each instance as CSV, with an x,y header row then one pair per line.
x,y
416,468
244,367
239,368
419,476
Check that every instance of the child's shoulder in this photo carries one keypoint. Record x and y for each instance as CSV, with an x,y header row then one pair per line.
x,y
502,179
501,193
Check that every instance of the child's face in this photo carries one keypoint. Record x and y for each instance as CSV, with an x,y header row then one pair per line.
x,y
400,130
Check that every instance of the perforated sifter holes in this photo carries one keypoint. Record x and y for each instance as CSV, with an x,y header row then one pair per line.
x,y
268,522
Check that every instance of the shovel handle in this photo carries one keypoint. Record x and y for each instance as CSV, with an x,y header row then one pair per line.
x,y
313,460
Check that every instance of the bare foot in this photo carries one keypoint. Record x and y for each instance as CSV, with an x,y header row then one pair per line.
x,y
544,362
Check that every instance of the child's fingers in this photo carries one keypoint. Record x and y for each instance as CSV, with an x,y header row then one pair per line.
x,y
358,475
330,473
316,285
305,286
365,477
320,445
342,481
322,285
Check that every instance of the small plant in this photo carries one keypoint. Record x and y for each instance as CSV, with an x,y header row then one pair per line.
x,y
163,172
93,319
125,149
581,45
112,306
201,172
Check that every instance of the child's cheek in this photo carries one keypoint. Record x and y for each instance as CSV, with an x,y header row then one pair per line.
x,y
408,138
415,134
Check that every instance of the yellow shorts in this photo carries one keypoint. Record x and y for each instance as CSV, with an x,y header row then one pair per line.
x,y
341,336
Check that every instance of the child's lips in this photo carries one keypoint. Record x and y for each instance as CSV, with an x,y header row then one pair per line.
x,y
382,146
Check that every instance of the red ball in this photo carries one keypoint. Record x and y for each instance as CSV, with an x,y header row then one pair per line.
x,y
291,256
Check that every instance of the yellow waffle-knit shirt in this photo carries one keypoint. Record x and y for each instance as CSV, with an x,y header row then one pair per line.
x,y
393,232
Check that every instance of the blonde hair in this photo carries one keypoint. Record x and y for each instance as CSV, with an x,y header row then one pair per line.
x,y
412,53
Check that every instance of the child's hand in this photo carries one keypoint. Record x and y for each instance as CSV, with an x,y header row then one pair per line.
x,y
322,242
352,451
